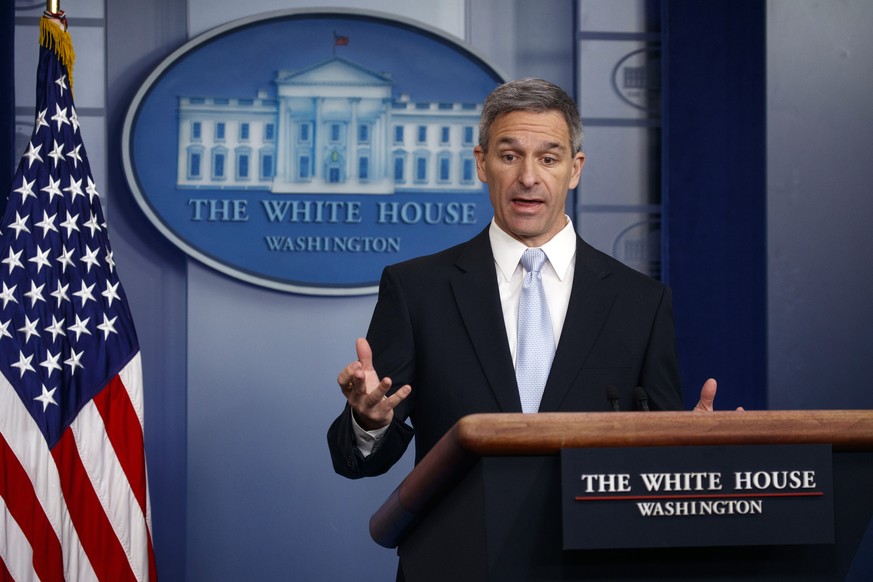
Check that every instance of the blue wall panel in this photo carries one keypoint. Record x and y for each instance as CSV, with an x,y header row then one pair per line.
x,y
715,194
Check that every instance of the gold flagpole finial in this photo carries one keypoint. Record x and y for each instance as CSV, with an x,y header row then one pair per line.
x,y
53,35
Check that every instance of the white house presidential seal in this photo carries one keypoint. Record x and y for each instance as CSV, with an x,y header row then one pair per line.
x,y
636,79
305,150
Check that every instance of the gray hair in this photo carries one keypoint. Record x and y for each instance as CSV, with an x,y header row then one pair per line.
x,y
534,95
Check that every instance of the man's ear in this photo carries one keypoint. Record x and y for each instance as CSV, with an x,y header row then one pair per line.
x,y
578,162
479,153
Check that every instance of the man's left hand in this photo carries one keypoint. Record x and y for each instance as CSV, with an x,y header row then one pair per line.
x,y
707,397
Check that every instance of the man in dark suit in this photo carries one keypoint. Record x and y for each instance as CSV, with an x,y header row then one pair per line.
x,y
443,341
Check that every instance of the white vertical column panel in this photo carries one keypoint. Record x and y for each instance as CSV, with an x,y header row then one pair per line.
x,y
618,206
819,132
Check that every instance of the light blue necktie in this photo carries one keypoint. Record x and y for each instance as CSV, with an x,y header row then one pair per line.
x,y
536,341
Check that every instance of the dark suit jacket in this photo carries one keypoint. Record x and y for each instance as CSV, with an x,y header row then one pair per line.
x,y
438,326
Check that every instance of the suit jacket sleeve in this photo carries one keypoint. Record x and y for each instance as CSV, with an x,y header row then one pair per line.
x,y
390,337
348,460
660,369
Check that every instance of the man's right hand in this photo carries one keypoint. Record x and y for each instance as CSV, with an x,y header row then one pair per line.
x,y
366,393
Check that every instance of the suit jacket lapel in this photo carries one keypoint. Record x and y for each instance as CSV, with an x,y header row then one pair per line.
x,y
590,301
475,287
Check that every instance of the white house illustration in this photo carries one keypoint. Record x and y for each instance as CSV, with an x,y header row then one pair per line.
x,y
335,127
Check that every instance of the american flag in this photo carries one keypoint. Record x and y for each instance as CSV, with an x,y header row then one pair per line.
x,y
340,40
74,499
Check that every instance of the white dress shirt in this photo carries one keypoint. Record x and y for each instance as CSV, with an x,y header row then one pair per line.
x,y
557,274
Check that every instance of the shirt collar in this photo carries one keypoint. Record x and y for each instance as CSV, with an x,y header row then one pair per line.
x,y
560,249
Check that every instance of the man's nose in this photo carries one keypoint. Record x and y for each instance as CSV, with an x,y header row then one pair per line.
x,y
528,173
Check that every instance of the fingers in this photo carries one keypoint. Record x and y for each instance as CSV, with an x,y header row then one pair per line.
x,y
348,376
376,409
707,396
398,396
376,397
359,389
380,399
365,354
356,372
366,393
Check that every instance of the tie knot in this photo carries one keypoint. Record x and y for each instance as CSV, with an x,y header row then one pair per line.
x,y
532,260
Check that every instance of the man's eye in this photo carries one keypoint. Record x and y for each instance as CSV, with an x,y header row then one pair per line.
x,y
549,160
508,157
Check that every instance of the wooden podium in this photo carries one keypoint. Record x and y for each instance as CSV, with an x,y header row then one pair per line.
x,y
485,504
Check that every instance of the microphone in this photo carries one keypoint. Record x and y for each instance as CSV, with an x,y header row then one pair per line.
x,y
641,399
612,396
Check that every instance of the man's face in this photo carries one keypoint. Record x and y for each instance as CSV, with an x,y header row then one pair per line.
x,y
529,167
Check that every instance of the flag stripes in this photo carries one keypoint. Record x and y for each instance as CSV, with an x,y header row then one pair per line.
x,y
35,539
105,517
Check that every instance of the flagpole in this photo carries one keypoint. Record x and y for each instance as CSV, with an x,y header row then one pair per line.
x,y
54,14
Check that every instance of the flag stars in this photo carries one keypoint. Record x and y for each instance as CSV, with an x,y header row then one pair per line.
x,y
110,261
56,328
47,397
80,327
60,116
29,328
53,189
75,189
90,258
52,267
70,224
61,294
8,294
23,364
74,119
74,361
85,293
108,326
41,259
35,294
57,153
40,120
19,225
111,293
92,224
13,260
26,189
77,159
46,317
91,190
65,258
50,363
4,329
62,83
47,223
32,154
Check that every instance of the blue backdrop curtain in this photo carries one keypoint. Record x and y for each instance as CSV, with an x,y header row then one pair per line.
x,y
7,99
714,193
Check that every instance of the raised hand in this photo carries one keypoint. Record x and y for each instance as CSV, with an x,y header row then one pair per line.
x,y
366,393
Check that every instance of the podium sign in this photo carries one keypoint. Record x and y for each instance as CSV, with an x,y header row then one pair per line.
x,y
697,496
